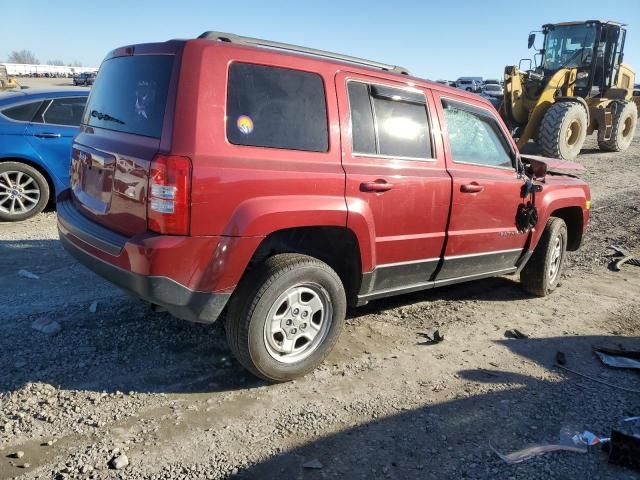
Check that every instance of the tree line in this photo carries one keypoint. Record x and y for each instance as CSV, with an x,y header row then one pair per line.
x,y
27,56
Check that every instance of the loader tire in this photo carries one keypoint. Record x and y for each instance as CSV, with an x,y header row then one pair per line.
x,y
624,125
563,130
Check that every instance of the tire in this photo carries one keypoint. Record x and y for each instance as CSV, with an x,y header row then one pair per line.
x,y
623,129
544,269
469,89
563,130
33,198
282,287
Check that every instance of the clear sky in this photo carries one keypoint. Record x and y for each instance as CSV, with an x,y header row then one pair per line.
x,y
444,39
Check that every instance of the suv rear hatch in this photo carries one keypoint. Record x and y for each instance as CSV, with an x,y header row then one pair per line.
x,y
126,123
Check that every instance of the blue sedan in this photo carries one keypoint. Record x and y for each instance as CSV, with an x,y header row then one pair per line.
x,y
36,129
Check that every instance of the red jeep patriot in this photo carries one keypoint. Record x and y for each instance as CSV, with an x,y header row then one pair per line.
x,y
280,184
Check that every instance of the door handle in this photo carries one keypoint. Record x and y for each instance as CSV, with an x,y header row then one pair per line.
x,y
472,187
48,135
377,186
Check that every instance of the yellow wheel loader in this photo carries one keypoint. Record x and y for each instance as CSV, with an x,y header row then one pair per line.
x,y
7,82
578,85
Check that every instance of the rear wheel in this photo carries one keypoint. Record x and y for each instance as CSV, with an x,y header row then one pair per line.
x,y
623,128
286,316
542,273
24,192
563,130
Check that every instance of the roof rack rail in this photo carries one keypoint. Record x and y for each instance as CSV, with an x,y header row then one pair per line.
x,y
233,38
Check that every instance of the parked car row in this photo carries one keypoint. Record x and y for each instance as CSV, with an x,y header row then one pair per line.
x,y
491,89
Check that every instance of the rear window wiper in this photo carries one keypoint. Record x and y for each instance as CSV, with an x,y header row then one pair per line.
x,y
106,117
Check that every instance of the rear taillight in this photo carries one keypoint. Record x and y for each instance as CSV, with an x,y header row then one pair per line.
x,y
168,208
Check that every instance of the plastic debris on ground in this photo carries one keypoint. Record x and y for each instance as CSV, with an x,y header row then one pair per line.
x,y
569,441
621,256
28,274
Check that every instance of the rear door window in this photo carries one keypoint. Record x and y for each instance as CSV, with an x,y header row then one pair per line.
x,y
276,107
130,94
389,121
22,113
63,111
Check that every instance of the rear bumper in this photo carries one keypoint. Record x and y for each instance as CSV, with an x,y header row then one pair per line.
x,y
181,302
115,258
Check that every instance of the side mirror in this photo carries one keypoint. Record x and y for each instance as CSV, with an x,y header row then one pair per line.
x,y
522,61
532,39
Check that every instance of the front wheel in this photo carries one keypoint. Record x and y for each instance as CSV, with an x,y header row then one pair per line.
x,y
542,273
563,130
24,192
286,316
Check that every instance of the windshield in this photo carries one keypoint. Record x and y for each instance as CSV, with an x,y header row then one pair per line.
x,y
493,88
568,46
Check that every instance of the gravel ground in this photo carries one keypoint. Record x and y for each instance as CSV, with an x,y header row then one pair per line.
x,y
94,385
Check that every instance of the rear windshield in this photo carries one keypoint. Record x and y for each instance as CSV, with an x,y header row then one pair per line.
x,y
130,94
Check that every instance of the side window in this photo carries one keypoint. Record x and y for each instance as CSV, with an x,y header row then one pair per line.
x,y
475,137
23,113
65,111
389,121
362,128
276,107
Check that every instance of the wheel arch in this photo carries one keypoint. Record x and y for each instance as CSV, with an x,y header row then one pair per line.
x,y
573,219
567,203
336,246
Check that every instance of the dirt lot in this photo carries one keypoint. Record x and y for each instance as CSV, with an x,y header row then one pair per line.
x,y
118,378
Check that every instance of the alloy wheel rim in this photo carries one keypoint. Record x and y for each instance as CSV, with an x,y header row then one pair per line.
x,y
556,258
573,133
298,322
19,193
626,130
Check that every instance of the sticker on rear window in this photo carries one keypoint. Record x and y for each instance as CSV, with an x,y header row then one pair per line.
x,y
245,124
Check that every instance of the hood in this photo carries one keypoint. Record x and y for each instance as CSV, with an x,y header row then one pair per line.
x,y
542,165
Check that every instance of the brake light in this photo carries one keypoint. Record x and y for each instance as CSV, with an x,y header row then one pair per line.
x,y
168,204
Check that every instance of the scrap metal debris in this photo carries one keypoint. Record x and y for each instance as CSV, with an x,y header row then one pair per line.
x,y
618,358
515,333
431,340
621,256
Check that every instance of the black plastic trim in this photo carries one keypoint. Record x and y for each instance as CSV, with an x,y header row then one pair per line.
x,y
465,265
364,298
398,275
